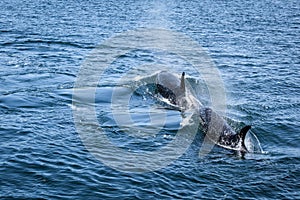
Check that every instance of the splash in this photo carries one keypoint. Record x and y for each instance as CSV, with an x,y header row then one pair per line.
x,y
252,143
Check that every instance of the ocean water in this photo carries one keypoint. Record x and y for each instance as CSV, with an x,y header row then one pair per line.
x,y
50,150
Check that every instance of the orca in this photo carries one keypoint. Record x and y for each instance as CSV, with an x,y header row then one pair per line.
x,y
174,89
170,87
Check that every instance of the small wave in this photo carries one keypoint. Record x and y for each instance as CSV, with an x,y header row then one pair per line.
x,y
47,42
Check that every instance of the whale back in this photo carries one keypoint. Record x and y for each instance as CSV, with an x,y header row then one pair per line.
x,y
170,86
220,131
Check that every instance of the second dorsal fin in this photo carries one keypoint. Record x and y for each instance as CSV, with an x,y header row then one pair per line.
x,y
182,82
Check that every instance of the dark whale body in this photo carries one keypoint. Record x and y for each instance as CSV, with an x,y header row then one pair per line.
x,y
173,88
170,87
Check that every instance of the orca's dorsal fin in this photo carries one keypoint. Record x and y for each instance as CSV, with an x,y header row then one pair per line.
x,y
182,82
242,134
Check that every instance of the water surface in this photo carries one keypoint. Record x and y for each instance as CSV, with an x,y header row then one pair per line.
x,y
254,44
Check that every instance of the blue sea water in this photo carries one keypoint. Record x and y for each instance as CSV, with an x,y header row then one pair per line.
x,y
44,44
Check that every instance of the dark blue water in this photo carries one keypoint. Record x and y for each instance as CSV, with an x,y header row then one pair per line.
x,y
43,46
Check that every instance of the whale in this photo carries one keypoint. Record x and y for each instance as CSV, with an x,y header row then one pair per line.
x,y
173,88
